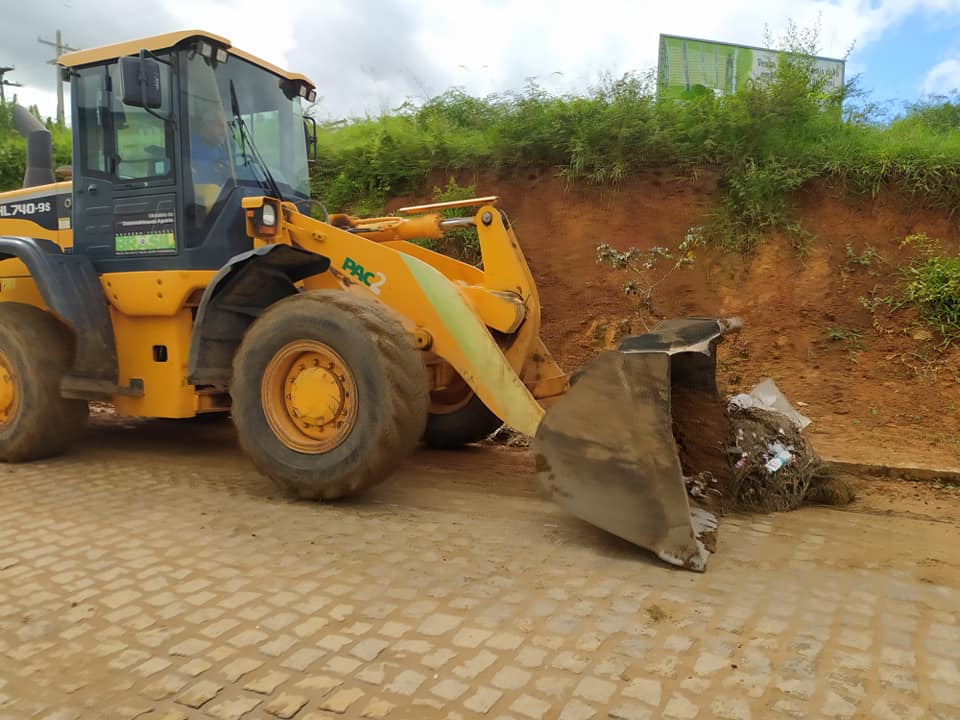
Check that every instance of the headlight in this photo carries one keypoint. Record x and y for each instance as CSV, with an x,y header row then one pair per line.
x,y
269,216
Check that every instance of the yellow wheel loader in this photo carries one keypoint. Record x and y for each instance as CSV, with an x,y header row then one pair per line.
x,y
183,268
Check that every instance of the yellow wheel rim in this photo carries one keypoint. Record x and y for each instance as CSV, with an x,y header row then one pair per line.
x,y
309,397
9,391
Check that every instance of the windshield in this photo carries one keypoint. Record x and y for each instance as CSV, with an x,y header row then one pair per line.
x,y
271,112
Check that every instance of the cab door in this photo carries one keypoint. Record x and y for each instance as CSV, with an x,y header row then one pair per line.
x,y
125,190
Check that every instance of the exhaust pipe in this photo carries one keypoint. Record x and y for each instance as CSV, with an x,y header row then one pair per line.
x,y
39,148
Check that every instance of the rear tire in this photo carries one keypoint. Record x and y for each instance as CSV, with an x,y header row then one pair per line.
x,y
36,350
377,371
472,422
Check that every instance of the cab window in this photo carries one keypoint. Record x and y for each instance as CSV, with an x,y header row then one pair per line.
x,y
120,142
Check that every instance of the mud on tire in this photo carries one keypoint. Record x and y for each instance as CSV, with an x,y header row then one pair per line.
x,y
391,393
39,351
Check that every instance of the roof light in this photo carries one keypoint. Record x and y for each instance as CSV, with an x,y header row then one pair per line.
x,y
221,55
206,50
303,91
312,96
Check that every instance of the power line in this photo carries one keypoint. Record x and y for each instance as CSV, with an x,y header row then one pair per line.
x,y
61,49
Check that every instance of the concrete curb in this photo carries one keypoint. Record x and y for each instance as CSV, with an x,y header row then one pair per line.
x,y
951,475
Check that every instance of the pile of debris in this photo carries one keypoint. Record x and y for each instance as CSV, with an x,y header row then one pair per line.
x,y
750,453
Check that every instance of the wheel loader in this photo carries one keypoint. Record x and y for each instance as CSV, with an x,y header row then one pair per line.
x,y
179,267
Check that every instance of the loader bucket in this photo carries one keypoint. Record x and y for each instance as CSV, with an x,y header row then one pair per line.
x,y
606,451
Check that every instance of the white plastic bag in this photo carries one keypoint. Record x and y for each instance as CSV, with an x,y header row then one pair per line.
x,y
767,396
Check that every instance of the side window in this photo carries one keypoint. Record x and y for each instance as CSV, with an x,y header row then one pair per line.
x,y
118,142
91,108
144,141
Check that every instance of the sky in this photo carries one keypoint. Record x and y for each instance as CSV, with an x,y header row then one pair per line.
x,y
368,56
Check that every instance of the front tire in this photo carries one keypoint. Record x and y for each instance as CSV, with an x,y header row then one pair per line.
x,y
471,422
36,350
329,394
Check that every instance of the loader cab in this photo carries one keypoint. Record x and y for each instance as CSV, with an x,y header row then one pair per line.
x,y
170,134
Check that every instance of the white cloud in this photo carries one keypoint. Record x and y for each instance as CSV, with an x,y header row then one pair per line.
x,y
943,78
366,55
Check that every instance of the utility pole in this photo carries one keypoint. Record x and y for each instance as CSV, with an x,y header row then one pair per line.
x,y
61,49
5,83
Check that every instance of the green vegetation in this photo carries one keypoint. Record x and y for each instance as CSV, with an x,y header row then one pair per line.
x,y
647,269
765,142
462,243
930,283
13,159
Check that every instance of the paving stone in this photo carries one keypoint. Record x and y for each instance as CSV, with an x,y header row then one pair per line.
x,y
680,707
438,624
333,643
449,689
266,684
890,709
341,700
438,658
394,629
708,663
470,637
248,638
191,646
573,662
236,669
285,705
275,647
373,674
530,657
577,710
406,683
630,711
595,690
945,694
234,708
322,684
377,708
342,665
530,707
310,627
199,694
510,678
195,667
482,700
731,708
302,659
475,665
505,641
164,686
836,706
369,648
152,667
644,689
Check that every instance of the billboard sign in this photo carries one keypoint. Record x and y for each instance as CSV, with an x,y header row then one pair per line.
x,y
688,64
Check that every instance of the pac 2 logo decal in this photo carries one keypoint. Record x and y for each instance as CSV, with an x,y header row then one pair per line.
x,y
373,280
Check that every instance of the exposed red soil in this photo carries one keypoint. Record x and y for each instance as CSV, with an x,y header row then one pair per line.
x,y
888,397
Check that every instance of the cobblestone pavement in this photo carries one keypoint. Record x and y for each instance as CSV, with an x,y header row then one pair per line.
x,y
140,578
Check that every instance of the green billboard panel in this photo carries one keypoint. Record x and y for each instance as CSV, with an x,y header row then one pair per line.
x,y
690,65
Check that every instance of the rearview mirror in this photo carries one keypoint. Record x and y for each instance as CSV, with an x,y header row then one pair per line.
x,y
310,136
140,82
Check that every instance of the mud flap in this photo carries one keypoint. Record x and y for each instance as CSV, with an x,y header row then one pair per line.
x,y
606,451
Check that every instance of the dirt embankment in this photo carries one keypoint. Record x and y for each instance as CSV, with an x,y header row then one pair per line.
x,y
879,391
